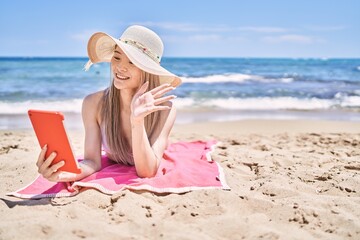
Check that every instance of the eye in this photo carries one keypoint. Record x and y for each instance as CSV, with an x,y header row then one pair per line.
x,y
130,62
116,58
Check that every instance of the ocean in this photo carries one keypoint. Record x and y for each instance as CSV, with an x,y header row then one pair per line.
x,y
213,89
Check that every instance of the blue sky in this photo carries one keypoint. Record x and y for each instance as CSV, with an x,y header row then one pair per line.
x,y
189,28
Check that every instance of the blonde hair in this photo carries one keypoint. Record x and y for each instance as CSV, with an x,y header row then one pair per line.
x,y
120,148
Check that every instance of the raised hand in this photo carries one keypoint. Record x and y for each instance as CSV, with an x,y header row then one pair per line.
x,y
144,103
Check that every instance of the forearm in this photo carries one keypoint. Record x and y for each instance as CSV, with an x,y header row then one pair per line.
x,y
146,162
88,167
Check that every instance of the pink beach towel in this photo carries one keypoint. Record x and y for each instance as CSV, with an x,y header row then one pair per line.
x,y
186,166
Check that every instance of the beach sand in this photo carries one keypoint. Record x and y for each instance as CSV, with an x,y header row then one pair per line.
x,y
290,179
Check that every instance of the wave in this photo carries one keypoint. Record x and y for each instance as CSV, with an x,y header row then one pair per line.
x,y
268,103
282,78
184,104
236,78
68,106
350,102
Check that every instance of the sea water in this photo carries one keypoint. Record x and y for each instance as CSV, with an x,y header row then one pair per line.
x,y
217,89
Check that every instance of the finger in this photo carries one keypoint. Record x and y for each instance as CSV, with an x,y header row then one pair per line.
x,y
55,167
41,157
163,91
143,88
51,171
157,108
47,162
162,86
164,99
144,96
49,175
55,176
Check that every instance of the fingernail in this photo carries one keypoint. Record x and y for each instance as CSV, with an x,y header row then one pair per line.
x,y
45,146
53,153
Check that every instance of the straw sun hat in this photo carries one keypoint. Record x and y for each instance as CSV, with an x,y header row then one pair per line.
x,y
141,45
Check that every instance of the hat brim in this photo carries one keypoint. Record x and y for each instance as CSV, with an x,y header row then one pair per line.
x,y
101,49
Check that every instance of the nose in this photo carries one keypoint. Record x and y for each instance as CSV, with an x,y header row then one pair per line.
x,y
121,68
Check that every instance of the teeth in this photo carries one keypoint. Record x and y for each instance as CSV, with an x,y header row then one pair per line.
x,y
121,77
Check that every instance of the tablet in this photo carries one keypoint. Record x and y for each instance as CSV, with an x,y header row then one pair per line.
x,y
49,129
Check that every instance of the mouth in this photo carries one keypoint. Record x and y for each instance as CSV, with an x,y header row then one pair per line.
x,y
121,77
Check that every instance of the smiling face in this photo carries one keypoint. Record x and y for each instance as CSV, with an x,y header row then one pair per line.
x,y
126,74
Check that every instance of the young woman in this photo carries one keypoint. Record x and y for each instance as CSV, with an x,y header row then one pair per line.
x,y
132,119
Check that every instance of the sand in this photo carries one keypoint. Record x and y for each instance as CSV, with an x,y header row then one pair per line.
x,y
290,179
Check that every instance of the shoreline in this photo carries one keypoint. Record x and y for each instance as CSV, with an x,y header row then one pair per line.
x,y
266,126
74,121
244,126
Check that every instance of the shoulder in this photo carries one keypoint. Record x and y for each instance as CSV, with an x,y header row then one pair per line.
x,y
93,98
91,105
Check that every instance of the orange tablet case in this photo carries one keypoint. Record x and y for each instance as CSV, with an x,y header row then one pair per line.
x,y
50,130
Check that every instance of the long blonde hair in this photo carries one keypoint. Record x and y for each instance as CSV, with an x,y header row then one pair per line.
x,y
120,148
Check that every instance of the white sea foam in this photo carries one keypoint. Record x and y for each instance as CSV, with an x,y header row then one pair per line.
x,y
237,78
184,103
357,92
259,103
70,106
352,101
266,103
287,80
